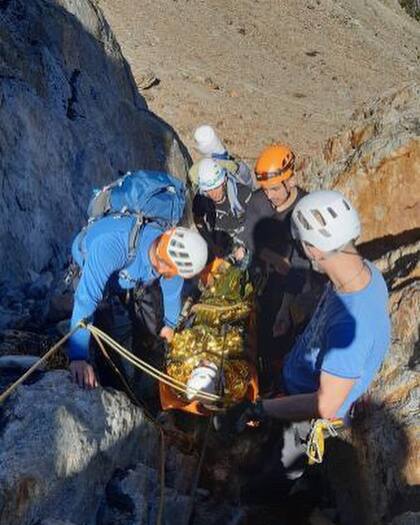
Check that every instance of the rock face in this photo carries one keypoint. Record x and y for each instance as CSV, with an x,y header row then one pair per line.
x,y
58,454
376,162
69,456
71,119
375,472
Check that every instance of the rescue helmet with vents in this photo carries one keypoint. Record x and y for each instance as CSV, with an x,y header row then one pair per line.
x,y
325,219
210,175
184,250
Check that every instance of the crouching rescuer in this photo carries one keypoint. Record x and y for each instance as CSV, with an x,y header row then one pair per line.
x,y
341,349
139,264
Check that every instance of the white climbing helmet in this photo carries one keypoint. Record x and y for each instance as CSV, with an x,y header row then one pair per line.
x,y
326,220
204,378
207,142
210,175
184,250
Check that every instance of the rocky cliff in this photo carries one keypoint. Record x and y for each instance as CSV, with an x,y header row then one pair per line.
x,y
71,119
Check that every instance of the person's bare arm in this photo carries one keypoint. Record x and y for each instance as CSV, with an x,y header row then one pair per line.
x,y
324,403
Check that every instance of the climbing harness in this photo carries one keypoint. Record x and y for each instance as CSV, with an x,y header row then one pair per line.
x,y
315,444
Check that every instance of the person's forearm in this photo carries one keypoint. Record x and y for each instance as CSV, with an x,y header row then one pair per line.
x,y
292,408
171,293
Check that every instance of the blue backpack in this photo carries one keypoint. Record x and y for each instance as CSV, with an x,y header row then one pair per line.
x,y
150,196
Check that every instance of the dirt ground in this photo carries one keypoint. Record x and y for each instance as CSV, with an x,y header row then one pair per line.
x,y
265,70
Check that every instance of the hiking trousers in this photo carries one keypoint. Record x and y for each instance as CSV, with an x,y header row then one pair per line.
x,y
135,320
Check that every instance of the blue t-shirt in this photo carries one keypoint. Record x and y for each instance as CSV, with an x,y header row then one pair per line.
x,y
347,336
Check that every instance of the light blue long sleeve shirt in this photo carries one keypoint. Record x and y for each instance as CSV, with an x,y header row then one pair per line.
x,y
104,252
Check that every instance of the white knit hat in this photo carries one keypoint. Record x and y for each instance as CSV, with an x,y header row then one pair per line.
x,y
207,142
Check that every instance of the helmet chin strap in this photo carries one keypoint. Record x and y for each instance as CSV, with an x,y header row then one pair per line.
x,y
286,189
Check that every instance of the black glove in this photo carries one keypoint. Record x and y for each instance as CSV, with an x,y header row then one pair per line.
x,y
234,420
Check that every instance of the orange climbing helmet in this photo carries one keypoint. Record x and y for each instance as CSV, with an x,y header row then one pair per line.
x,y
274,165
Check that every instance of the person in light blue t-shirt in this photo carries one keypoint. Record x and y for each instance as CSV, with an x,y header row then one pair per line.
x,y
341,349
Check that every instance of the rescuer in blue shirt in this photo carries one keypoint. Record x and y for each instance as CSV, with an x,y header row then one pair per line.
x,y
103,254
344,344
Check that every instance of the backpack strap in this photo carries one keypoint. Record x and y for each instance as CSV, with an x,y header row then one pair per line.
x,y
133,237
232,194
222,156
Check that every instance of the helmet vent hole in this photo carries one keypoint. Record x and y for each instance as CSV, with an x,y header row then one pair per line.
x,y
332,213
324,232
303,221
346,204
177,244
319,217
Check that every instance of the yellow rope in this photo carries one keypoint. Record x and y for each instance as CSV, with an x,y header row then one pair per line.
x,y
138,363
315,445
145,367
36,365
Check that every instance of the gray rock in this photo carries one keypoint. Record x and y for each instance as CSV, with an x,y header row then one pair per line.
x,y
59,446
20,362
408,518
41,286
55,522
71,119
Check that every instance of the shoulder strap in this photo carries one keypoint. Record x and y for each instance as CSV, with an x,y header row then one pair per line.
x,y
232,193
134,235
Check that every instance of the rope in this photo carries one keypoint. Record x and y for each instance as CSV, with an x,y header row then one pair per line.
x,y
315,445
145,367
190,513
36,365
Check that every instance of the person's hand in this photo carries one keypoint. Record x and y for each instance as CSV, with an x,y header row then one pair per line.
x,y
280,328
235,419
281,325
239,253
167,333
83,374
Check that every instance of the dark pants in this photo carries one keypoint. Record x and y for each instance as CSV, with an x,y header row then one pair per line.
x,y
134,320
271,350
280,462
